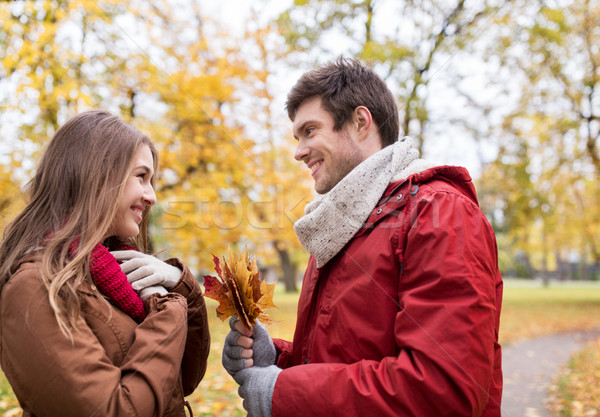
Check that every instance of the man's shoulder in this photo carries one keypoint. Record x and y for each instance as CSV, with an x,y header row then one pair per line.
x,y
448,180
451,173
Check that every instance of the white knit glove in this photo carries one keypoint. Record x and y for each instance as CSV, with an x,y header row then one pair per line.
x,y
145,270
256,388
153,289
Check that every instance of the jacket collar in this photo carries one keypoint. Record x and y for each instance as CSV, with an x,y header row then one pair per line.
x,y
398,194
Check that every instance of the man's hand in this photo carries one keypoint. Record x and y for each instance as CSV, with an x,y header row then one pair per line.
x,y
237,349
256,388
264,352
243,349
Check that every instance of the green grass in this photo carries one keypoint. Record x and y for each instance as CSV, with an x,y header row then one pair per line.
x,y
576,392
528,311
562,392
9,406
217,393
531,311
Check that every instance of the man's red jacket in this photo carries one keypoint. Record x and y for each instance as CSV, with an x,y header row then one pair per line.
x,y
404,320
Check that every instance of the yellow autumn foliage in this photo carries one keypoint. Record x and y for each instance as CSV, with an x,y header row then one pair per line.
x,y
576,392
239,289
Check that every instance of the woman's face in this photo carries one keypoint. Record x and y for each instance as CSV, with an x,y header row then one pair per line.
x,y
138,195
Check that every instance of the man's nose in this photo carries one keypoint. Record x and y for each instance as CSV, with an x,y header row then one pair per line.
x,y
301,151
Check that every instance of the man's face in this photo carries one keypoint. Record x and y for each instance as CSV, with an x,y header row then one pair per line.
x,y
330,155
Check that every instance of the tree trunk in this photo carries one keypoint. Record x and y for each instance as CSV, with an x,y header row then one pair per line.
x,y
562,267
287,267
545,276
582,267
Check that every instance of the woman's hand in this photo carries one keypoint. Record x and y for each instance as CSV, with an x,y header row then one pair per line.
x,y
144,270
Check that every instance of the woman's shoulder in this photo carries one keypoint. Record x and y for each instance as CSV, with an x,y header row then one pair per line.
x,y
23,291
26,278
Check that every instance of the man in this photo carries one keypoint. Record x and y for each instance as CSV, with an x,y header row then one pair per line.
x,y
400,303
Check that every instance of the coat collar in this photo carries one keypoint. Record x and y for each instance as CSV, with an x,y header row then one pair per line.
x,y
399,193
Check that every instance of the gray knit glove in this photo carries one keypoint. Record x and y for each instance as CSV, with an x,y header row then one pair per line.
x,y
256,388
232,352
264,352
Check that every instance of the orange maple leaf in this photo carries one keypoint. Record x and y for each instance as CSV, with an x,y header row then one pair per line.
x,y
239,290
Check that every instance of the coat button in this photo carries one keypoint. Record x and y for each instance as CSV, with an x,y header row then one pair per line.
x,y
399,197
414,189
379,211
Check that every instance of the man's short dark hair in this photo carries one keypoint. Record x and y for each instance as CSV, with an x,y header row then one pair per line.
x,y
343,85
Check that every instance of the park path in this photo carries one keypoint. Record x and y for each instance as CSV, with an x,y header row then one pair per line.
x,y
529,366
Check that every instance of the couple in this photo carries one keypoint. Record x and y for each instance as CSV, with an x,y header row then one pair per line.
x,y
400,302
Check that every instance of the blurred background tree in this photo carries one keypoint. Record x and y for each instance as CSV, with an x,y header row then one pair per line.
x,y
227,177
543,186
56,59
412,45
508,89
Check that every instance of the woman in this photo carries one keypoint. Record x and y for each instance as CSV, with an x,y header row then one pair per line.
x,y
76,338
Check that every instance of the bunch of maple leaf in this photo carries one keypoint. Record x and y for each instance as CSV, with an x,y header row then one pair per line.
x,y
239,290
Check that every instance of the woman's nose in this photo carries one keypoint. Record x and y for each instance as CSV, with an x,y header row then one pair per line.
x,y
149,195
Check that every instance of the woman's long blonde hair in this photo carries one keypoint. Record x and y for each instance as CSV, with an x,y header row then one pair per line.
x,y
74,194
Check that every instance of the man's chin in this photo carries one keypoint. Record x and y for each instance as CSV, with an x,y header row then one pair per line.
x,y
322,190
323,187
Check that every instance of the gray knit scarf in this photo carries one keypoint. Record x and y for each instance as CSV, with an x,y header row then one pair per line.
x,y
332,219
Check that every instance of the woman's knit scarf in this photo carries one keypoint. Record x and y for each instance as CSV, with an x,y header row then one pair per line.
x,y
112,282
332,219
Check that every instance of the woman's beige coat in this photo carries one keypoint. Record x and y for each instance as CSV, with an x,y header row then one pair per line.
x,y
113,366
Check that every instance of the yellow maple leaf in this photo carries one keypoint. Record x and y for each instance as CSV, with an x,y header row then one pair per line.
x,y
239,290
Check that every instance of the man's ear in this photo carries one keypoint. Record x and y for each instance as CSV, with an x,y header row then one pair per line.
x,y
363,121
